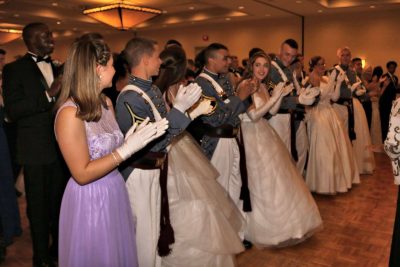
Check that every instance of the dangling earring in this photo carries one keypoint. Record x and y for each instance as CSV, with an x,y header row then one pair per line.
x,y
100,76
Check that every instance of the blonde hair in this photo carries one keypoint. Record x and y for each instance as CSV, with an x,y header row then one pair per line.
x,y
80,81
341,50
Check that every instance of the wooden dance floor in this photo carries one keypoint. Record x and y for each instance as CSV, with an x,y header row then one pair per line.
x,y
357,230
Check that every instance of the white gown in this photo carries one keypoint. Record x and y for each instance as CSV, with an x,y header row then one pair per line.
x,y
331,164
205,220
376,131
364,157
283,209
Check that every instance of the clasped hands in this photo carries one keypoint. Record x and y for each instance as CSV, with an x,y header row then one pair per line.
x,y
138,136
188,99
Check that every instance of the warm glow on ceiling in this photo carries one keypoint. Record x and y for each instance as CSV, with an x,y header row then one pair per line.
x,y
8,35
199,17
122,16
354,3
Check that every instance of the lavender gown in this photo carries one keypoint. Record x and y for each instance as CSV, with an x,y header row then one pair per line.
x,y
96,221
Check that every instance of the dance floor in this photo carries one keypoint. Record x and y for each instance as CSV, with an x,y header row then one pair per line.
x,y
357,230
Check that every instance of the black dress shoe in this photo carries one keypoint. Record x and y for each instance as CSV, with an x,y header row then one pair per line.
x,y
247,244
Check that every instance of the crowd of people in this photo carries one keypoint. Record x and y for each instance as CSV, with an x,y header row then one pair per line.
x,y
148,158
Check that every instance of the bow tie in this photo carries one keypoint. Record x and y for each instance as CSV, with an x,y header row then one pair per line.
x,y
45,59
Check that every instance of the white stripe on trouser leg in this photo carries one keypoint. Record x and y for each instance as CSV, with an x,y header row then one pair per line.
x,y
301,146
226,159
144,195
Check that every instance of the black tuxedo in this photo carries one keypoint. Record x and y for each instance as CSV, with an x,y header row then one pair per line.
x,y
385,103
27,105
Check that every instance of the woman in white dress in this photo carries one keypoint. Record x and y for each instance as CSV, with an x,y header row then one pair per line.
x,y
331,164
364,157
283,209
206,222
374,91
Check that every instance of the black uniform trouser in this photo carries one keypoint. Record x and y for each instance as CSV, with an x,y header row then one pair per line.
x,y
394,260
10,129
44,187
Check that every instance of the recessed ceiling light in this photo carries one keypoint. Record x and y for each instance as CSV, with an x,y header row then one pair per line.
x,y
191,7
371,6
16,15
54,4
228,19
58,22
241,7
320,11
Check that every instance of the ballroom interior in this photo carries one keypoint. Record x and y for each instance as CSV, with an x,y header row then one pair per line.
x,y
357,225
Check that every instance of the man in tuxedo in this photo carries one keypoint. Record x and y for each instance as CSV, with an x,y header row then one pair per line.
x,y
30,86
388,96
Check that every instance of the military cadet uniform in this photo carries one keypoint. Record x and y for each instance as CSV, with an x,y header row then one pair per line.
x,y
288,122
221,129
350,109
344,106
143,170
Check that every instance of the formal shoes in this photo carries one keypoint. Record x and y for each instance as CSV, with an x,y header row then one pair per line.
x,y
247,244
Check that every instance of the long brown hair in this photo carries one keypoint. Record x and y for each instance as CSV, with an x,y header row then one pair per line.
x,y
249,68
80,80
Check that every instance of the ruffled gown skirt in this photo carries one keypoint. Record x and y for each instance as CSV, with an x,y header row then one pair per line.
x,y
331,164
283,209
205,220
97,225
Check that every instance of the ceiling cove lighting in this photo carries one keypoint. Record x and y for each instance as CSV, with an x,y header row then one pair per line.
x,y
122,15
8,35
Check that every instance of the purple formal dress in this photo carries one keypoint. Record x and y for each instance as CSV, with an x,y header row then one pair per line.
x,y
97,227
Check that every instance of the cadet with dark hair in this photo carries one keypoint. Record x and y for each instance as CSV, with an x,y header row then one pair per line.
x,y
288,123
221,127
147,172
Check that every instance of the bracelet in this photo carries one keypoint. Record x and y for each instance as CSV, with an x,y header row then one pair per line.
x,y
115,158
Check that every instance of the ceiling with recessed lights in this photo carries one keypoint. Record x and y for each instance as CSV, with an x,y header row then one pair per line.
x,y
65,17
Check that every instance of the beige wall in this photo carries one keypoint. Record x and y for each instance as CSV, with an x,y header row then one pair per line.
x,y
370,35
373,36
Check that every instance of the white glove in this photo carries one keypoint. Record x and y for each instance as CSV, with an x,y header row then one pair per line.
x,y
187,96
307,98
360,92
332,79
203,108
354,86
277,91
144,134
287,89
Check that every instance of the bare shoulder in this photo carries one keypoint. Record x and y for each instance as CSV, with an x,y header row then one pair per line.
x,y
109,104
